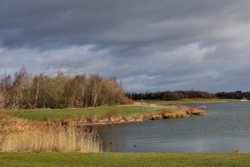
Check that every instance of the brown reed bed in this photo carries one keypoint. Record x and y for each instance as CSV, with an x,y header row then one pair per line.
x,y
19,135
114,117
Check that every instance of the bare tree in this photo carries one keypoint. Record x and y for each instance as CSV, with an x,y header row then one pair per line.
x,y
26,91
96,87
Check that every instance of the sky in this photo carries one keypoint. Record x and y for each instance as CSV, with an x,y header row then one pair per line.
x,y
147,45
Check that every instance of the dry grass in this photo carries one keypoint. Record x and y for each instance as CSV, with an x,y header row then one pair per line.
x,y
18,135
113,117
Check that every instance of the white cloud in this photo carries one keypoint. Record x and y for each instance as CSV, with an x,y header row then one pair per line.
x,y
71,59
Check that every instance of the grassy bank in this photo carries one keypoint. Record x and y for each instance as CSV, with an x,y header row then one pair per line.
x,y
50,130
123,159
109,115
67,113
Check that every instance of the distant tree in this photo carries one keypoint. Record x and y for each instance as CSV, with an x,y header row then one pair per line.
x,y
233,95
171,95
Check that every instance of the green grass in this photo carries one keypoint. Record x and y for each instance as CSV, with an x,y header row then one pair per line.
x,y
123,160
189,101
52,114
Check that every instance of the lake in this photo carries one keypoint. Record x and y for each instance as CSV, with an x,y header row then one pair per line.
x,y
225,128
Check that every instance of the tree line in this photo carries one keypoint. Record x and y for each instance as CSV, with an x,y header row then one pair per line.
x,y
61,91
178,95
234,95
170,95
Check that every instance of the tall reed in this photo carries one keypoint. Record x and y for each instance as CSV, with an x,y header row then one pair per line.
x,y
20,135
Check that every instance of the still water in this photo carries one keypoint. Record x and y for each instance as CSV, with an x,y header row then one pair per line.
x,y
225,128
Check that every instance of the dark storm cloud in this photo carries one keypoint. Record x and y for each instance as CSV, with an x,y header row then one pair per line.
x,y
111,21
148,45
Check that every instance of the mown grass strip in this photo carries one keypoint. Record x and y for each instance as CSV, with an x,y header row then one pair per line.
x,y
123,159
51,114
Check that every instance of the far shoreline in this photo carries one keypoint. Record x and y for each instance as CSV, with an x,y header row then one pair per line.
x,y
188,101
